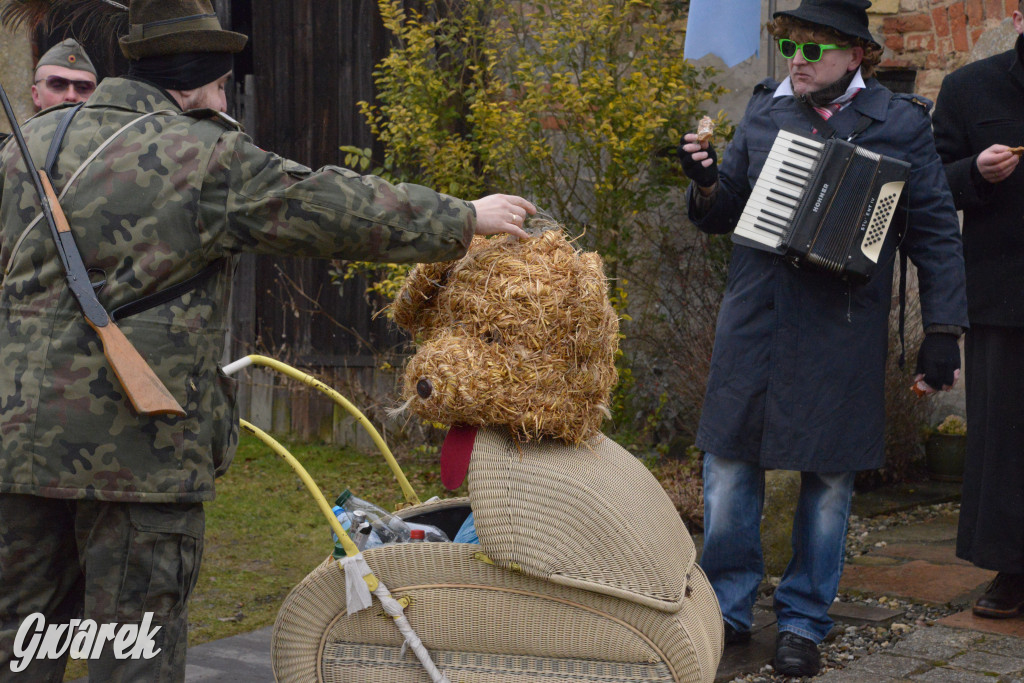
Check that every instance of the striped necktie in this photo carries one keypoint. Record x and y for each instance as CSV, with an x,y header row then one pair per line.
x,y
828,110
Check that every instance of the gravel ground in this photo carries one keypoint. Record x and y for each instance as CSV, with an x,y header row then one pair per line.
x,y
852,642
857,535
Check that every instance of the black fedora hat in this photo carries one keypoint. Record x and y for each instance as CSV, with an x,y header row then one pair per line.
x,y
849,17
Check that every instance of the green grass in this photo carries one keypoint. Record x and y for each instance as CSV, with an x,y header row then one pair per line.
x,y
264,532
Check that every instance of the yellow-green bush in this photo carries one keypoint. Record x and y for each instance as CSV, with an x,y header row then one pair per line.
x,y
575,104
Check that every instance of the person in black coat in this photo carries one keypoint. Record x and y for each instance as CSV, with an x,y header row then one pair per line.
x,y
797,378
979,118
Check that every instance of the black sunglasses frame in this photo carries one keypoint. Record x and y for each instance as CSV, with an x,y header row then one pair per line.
x,y
61,84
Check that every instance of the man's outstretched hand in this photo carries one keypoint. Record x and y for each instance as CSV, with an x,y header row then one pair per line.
x,y
498,213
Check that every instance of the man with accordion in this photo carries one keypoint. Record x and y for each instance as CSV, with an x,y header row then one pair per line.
x,y
810,187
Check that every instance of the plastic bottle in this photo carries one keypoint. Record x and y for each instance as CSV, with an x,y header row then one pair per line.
x,y
343,519
350,523
362,536
386,527
431,534
358,520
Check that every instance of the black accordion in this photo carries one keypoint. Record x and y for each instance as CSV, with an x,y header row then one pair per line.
x,y
823,204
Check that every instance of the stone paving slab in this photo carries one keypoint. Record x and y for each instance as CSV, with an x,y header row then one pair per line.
x,y
901,497
849,613
939,530
944,553
967,620
886,666
936,643
862,615
946,675
244,658
741,659
917,579
988,663
1001,645
875,561
939,655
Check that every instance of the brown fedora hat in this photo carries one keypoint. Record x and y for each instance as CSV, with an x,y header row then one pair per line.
x,y
168,27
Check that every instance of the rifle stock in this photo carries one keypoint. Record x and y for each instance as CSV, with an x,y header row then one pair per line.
x,y
147,393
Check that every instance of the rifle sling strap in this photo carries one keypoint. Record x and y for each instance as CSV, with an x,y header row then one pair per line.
x,y
157,298
74,178
168,294
58,138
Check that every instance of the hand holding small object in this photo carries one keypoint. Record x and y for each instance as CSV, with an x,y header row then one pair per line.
x,y
996,162
938,363
700,163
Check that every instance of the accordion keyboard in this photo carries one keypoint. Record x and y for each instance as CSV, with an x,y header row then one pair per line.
x,y
784,181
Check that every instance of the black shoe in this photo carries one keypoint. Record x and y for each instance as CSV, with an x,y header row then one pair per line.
x,y
796,655
1003,598
735,636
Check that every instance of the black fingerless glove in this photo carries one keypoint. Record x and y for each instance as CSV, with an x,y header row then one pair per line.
x,y
704,176
938,358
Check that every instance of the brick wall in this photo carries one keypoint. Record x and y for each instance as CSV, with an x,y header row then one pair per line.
x,y
934,37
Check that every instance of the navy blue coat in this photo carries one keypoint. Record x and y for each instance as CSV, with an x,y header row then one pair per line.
x,y
798,370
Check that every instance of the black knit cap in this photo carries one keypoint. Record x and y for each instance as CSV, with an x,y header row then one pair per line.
x,y
849,17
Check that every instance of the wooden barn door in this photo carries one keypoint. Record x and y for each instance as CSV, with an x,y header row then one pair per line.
x,y
298,83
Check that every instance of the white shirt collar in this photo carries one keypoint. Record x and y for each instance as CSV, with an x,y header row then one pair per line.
x,y
786,88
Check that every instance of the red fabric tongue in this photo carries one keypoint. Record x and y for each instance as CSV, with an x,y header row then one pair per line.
x,y
455,453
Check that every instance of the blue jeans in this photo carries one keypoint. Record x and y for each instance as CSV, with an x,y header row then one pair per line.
x,y
733,500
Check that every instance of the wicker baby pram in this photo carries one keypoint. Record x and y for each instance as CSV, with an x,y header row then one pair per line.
x,y
585,572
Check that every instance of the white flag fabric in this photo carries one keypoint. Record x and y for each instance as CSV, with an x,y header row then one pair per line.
x,y
730,29
357,593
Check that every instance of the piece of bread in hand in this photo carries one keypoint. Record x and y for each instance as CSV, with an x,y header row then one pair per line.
x,y
705,129
1017,150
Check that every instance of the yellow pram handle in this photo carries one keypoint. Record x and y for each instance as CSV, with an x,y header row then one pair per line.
x,y
309,380
352,561
350,548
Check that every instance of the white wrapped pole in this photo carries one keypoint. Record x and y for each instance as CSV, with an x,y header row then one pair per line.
x,y
357,593
395,611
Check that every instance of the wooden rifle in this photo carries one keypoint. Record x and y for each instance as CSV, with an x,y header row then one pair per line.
x,y
147,393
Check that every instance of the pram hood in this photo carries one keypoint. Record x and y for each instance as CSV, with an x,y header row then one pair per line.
x,y
589,516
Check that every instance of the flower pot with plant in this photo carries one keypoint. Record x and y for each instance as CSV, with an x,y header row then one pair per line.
x,y
946,449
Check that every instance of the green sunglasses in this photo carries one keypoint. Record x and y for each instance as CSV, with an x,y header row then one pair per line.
x,y
812,52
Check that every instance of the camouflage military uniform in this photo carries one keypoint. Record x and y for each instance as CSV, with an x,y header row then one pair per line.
x,y
171,195
122,560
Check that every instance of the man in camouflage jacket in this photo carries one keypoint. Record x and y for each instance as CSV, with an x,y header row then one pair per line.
x,y
101,508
